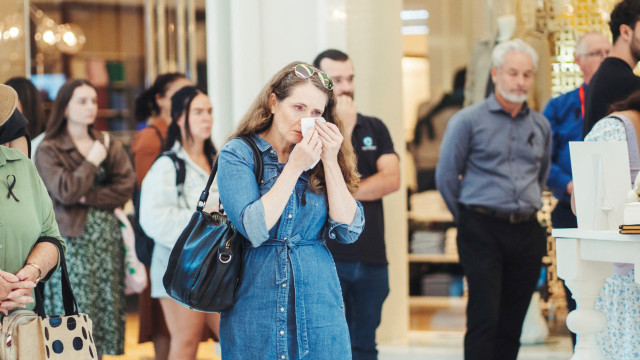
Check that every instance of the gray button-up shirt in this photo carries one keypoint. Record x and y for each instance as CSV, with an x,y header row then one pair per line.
x,y
489,158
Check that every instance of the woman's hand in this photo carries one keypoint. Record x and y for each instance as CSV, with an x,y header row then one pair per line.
x,y
331,139
98,151
6,279
307,151
15,290
17,299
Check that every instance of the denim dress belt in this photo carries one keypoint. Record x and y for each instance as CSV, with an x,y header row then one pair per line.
x,y
513,218
287,254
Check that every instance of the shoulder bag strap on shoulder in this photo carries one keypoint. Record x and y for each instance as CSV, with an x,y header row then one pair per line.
x,y
181,172
159,135
257,170
632,145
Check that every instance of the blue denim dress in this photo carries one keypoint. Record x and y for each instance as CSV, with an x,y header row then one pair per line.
x,y
289,304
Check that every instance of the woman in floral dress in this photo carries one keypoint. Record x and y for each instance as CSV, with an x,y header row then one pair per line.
x,y
87,176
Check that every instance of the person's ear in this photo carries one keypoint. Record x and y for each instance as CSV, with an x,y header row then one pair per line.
x,y
272,103
626,32
494,74
181,120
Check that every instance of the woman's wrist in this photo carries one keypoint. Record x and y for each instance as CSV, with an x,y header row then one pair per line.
x,y
293,168
331,165
34,271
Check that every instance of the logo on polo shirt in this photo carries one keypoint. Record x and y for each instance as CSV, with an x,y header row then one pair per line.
x,y
367,143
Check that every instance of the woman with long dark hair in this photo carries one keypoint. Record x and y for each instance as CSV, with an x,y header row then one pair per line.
x,y
166,207
87,175
153,108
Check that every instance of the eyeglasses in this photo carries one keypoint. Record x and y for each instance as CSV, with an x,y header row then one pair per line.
x,y
305,71
599,53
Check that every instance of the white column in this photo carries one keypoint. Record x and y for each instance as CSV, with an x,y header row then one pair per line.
x,y
149,44
181,36
374,43
219,77
248,42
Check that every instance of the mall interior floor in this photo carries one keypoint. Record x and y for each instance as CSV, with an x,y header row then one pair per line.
x,y
441,345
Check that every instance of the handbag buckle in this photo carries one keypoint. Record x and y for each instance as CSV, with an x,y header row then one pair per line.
x,y
226,259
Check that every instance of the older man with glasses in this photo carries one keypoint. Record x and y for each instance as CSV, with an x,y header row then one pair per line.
x,y
565,114
615,80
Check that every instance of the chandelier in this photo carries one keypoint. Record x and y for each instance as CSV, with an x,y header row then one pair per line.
x,y
67,38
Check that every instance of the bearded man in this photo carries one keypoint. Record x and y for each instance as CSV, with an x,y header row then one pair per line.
x,y
494,162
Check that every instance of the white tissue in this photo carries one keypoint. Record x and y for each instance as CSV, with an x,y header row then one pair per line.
x,y
305,125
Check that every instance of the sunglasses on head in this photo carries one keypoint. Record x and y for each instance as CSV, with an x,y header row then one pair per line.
x,y
305,71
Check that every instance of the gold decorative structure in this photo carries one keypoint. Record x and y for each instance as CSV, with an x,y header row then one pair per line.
x,y
573,19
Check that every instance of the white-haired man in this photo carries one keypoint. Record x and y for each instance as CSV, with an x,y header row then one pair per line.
x,y
494,161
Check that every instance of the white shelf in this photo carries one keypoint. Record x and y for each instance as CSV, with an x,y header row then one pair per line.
x,y
437,302
434,258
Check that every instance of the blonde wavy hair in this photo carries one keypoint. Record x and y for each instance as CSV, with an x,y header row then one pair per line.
x,y
259,119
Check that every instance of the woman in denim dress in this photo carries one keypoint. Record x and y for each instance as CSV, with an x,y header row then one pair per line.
x,y
289,304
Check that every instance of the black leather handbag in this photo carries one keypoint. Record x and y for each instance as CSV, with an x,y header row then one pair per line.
x,y
205,265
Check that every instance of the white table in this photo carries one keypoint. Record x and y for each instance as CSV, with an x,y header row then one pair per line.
x,y
585,260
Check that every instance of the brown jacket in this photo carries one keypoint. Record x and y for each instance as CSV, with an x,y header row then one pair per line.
x,y
68,177
147,146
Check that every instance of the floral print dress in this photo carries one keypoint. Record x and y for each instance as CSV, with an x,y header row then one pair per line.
x,y
95,261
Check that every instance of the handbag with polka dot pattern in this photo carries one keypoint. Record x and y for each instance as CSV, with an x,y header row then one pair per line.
x,y
35,336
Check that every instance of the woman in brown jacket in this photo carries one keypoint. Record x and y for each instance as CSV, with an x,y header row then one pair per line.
x,y
87,177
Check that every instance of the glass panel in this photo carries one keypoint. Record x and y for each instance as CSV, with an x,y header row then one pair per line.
x,y
12,39
105,42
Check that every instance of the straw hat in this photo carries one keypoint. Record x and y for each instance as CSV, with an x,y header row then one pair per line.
x,y
8,102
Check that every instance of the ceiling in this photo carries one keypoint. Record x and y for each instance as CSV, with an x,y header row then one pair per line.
x,y
200,4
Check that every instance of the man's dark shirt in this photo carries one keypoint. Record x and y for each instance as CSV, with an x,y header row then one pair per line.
x,y
614,81
370,140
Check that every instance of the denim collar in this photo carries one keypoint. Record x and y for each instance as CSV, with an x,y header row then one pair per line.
x,y
262,144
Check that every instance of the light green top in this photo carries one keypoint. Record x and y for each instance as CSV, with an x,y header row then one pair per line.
x,y
22,222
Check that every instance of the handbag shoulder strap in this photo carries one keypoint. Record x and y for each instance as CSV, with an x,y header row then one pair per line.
x,y
160,137
68,299
181,172
257,170
632,145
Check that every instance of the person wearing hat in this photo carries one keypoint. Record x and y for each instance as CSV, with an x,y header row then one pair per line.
x,y
13,132
27,214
